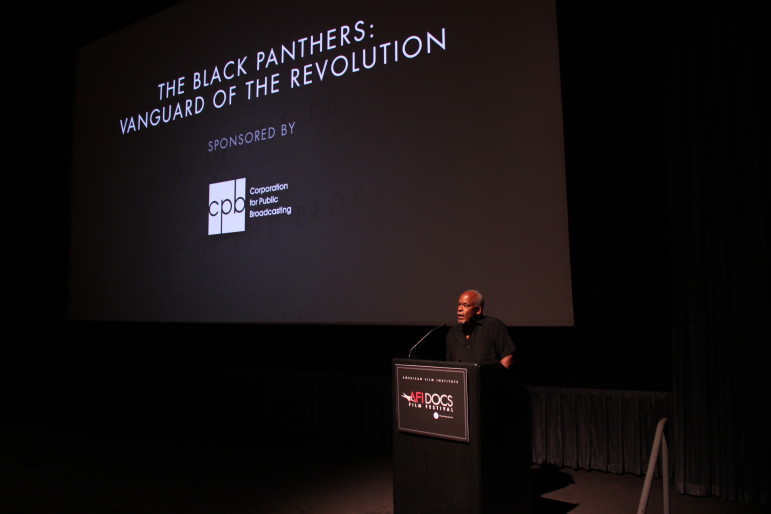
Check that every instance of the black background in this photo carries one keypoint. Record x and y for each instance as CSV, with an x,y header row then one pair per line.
x,y
667,156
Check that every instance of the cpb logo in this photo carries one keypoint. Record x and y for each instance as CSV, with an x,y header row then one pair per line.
x,y
227,207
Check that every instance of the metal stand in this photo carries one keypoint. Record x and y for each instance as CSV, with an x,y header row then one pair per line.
x,y
660,441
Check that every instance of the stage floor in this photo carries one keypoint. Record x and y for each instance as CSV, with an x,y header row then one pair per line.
x,y
46,473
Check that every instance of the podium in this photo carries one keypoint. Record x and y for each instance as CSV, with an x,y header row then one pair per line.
x,y
462,439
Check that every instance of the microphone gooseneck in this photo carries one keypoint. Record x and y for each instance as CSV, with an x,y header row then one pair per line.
x,y
409,355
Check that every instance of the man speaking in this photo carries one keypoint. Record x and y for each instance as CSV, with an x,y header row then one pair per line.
x,y
476,337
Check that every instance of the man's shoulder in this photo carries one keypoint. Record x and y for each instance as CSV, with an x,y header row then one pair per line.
x,y
489,320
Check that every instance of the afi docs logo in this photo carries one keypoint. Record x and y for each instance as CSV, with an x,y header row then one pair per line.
x,y
429,399
227,207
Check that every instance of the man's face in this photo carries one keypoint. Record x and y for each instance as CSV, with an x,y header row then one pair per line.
x,y
467,310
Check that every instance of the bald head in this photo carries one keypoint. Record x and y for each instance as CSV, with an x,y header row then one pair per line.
x,y
470,306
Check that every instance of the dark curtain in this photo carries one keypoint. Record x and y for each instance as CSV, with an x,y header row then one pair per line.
x,y
596,429
719,138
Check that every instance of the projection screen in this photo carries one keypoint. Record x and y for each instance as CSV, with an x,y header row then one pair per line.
x,y
321,162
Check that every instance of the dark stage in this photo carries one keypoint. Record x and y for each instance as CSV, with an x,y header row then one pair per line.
x,y
45,473
667,149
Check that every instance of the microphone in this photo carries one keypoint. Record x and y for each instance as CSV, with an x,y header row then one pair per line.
x,y
409,355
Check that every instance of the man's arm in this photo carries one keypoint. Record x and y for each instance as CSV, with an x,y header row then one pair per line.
x,y
508,361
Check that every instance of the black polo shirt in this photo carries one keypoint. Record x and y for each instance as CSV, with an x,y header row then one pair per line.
x,y
489,341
